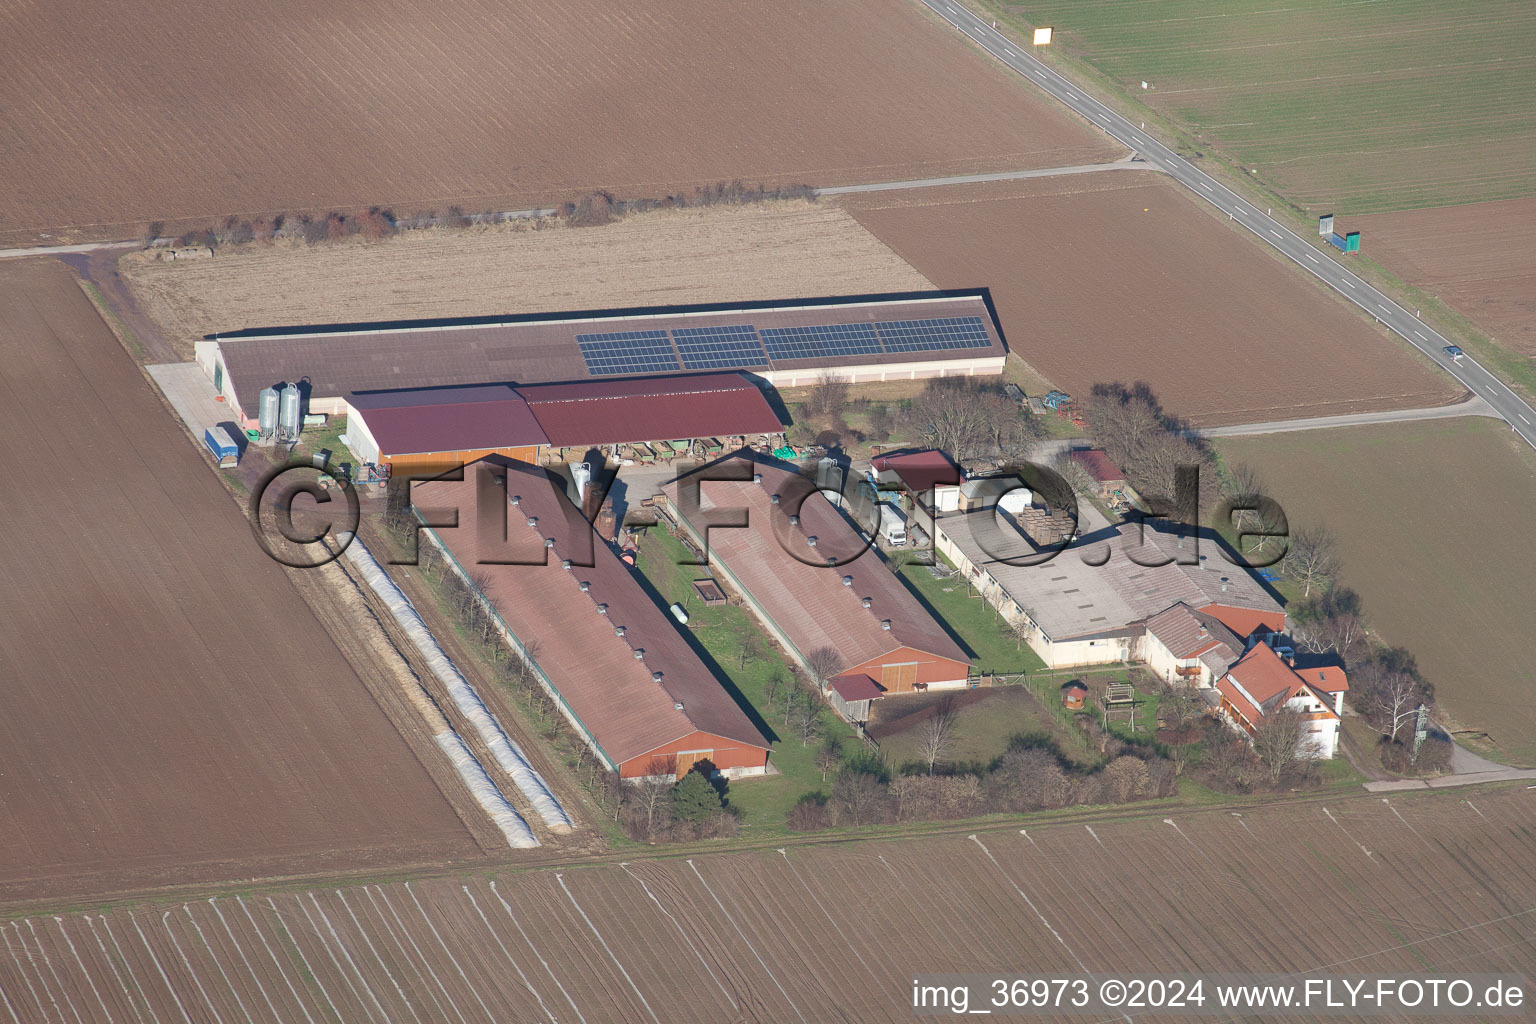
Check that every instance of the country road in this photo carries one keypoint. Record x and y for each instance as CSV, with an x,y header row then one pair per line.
x,y
1468,371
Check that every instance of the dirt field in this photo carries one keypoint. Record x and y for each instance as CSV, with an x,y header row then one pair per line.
x,y
1122,278
173,710
1479,258
720,254
1351,107
1423,884
176,110
1434,524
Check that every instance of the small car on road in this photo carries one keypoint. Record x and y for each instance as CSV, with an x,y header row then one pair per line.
x,y
1454,351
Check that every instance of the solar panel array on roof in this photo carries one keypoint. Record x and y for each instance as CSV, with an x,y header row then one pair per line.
x,y
627,352
719,348
931,335
739,346
820,342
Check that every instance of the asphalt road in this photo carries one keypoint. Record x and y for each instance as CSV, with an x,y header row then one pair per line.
x,y
1478,380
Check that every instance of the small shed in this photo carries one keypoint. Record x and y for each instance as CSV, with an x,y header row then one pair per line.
x,y
851,694
222,446
1074,695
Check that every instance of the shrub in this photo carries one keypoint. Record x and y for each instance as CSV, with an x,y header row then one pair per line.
x,y
593,210
809,814
1434,756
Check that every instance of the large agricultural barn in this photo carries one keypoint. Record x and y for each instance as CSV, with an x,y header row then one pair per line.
x,y
778,560
422,428
906,337
617,667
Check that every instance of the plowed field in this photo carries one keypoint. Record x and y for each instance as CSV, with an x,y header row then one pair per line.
x,y
1123,278
173,711
1479,258
1432,883
1466,545
176,110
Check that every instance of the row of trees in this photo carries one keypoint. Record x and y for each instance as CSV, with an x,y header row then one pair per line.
x,y
1030,776
592,209
968,417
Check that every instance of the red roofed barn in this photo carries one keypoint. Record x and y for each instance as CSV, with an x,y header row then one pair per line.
x,y
858,610
614,662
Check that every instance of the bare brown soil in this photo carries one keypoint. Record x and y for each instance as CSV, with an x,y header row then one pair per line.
x,y
173,710
186,112
776,250
1122,278
1423,884
1480,259
1433,522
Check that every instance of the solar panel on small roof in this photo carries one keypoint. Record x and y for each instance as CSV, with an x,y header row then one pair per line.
x,y
948,332
717,348
627,352
821,341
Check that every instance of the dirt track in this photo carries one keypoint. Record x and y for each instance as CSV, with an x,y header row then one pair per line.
x,y
1423,884
1123,278
173,710
1479,258
173,110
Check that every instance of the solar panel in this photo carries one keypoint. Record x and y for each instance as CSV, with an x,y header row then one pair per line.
x,y
718,348
931,335
624,352
820,342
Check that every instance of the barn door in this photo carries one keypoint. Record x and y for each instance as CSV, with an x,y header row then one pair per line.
x,y
898,678
687,758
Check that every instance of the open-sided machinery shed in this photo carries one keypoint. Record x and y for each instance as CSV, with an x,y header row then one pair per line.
x,y
433,428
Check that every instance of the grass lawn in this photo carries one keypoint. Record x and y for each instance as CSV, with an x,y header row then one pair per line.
x,y
721,631
981,730
978,625
1355,106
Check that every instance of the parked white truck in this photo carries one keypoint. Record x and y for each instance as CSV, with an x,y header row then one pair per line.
x,y
893,525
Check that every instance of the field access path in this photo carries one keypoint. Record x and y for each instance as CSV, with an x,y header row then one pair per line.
x,y
1515,411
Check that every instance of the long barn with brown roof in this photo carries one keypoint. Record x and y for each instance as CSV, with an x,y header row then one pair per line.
x,y
909,336
618,668
807,573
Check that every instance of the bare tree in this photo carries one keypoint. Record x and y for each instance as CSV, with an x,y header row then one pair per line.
x,y
810,724
1023,631
1277,740
946,415
751,649
1395,703
1180,706
651,797
1313,560
828,397
1125,778
1335,621
857,797
937,734
828,756
824,663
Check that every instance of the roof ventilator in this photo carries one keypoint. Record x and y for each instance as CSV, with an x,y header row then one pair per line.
x,y
865,603
885,624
